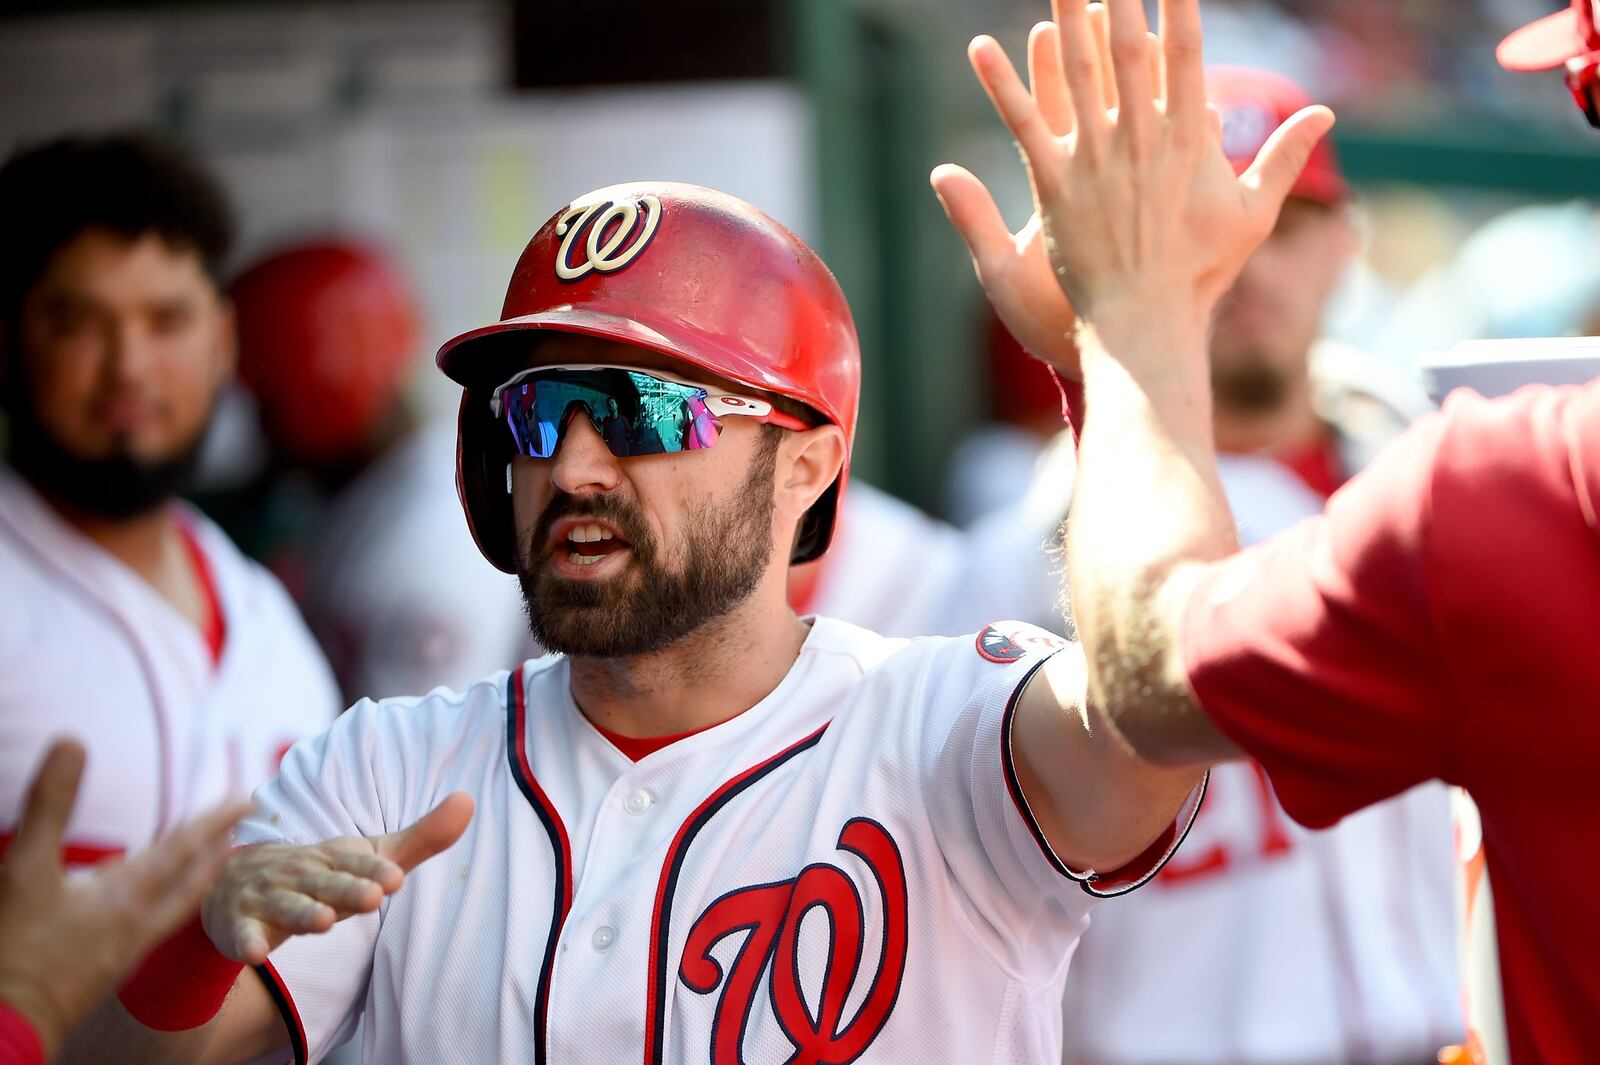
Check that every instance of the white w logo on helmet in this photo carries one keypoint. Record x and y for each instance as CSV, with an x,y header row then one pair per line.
x,y
616,234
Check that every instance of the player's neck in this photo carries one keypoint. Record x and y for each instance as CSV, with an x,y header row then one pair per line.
x,y
151,545
1290,426
720,671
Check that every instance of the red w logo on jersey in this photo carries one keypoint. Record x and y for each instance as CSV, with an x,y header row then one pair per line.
x,y
771,914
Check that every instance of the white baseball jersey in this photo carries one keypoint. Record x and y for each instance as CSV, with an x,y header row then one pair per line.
x,y
396,589
1265,943
845,872
88,649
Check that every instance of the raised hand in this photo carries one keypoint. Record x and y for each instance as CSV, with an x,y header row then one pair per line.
x,y
66,941
1141,212
272,891
1014,268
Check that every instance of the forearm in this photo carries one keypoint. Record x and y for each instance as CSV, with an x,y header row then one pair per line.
x,y
1148,510
109,1033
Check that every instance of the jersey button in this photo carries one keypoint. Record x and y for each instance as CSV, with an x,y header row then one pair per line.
x,y
638,801
604,936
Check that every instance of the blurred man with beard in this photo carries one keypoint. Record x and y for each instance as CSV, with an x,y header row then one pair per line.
x,y
131,623
701,794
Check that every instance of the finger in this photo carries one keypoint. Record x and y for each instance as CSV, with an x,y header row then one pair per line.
x,y
1011,100
1080,64
183,895
176,872
1049,85
50,801
1100,22
252,941
435,831
1181,47
1135,95
1214,118
973,213
1158,67
366,864
294,914
342,891
1278,164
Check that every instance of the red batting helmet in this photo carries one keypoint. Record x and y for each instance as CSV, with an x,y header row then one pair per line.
x,y
327,335
694,274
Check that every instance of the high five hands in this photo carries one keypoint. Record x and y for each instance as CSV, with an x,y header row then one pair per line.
x,y
272,891
1137,210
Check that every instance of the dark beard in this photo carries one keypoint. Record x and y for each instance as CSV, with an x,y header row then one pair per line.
x,y
116,487
651,605
1250,386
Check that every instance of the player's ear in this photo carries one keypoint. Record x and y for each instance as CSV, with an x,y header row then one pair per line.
x,y
809,461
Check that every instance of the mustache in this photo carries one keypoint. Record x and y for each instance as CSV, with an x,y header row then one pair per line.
x,y
611,509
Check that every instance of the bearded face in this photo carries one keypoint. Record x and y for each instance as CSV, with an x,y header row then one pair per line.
x,y
598,582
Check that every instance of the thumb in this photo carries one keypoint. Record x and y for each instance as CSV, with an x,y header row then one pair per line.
x,y
1279,163
428,835
972,212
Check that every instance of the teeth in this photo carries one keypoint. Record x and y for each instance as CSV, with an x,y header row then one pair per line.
x,y
588,534
583,560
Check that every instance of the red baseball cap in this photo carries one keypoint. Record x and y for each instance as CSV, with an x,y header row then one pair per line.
x,y
1253,104
1552,40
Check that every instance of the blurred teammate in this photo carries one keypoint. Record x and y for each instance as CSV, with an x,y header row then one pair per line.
x,y
130,623
328,338
1433,623
705,829
65,941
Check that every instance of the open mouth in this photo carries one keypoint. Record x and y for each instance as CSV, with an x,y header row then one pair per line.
x,y
587,543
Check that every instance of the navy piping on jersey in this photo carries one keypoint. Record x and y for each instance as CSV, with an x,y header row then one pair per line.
x,y
561,847
1014,786
286,1007
656,990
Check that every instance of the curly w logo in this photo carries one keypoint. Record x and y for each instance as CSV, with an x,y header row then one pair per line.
x,y
770,916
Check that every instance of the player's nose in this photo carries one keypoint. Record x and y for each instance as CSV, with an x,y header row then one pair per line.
x,y
582,462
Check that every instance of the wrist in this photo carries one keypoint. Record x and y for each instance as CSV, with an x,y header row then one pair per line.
x,y
1131,323
1156,346
181,983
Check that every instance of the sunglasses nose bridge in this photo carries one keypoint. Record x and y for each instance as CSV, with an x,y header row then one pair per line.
x,y
582,461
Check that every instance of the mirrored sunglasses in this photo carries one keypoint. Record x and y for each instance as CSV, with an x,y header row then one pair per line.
x,y
634,412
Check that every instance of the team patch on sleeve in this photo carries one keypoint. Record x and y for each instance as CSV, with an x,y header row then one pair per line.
x,y
1009,641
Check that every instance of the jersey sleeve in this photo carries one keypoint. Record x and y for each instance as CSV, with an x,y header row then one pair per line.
x,y
327,786
988,835
1317,651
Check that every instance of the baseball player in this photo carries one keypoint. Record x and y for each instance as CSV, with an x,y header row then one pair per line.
x,y
1431,623
328,338
705,829
131,623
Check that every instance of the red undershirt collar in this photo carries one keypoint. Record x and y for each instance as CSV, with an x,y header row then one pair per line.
x,y
213,624
637,747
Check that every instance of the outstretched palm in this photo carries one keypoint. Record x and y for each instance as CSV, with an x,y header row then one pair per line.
x,y
270,892
1140,208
